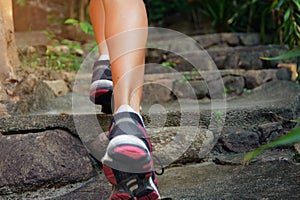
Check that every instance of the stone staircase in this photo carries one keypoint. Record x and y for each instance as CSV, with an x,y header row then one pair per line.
x,y
44,154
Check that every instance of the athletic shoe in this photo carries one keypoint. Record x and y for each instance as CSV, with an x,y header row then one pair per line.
x,y
127,163
102,87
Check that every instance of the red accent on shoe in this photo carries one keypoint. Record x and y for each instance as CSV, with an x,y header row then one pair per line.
x,y
146,136
130,151
109,174
122,196
148,175
148,166
155,182
99,92
152,196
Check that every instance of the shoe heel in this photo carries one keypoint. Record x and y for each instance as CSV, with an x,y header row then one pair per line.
x,y
151,196
123,196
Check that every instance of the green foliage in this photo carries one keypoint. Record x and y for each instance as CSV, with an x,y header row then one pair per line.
x,y
219,12
278,21
64,60
292,53
63,55
290,138
85,27
21,3
288,15
159,9
168,64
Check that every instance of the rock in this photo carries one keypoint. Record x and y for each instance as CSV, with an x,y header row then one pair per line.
x,y
154,55
231,61
58,87
284,74
229,159
216,88
220,61
276,51
207,41
158,91
79,52
276,154
296,107
296,115
3,111
230,39
27,86
193,89
255,78
200,88
59,49
43,159
238,140
291,70
297,147
234,84
270,131
250,39
174,145
250,61
3,94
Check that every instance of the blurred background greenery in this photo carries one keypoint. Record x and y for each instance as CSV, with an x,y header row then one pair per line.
x,y
277,21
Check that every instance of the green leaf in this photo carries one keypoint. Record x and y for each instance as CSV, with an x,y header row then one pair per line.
x,y
292,53
280,4
287,15
295,120
297,4
84,27
72,21
290,138
21,3
168,64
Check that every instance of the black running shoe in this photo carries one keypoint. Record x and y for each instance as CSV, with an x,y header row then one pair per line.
x,y
102,86
127,163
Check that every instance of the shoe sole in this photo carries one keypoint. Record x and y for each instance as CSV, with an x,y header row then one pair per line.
x,y
146,194
124,196
128,153
101,94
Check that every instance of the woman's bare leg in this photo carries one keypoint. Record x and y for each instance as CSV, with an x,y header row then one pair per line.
x,y
126,31
97,16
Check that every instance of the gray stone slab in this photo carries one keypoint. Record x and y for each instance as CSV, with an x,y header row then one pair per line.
x,y
42,159
249,110
269,180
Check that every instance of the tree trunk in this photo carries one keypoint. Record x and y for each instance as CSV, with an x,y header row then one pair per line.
x,y
81,10
8,54
72,9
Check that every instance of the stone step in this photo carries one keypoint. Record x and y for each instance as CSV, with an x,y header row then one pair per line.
x,y
43,152
240,57
265,99
250,103
40,151
207,41
167,87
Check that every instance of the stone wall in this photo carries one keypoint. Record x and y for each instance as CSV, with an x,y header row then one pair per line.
x,y
166,87
237,59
